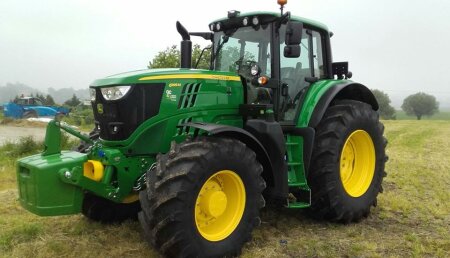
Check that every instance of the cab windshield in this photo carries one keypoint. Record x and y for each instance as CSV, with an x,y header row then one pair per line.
x,y
238,49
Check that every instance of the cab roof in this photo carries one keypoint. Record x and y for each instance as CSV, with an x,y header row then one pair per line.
x,y
274,15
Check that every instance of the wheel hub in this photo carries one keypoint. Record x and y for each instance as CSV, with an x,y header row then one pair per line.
x,y
357,163
220,205
214,203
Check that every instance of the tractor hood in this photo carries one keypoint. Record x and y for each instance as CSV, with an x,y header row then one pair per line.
x,y
143,76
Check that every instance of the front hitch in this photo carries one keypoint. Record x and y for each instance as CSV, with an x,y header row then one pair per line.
x,y
52,140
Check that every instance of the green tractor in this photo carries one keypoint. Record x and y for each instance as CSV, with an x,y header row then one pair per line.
x,y
195,154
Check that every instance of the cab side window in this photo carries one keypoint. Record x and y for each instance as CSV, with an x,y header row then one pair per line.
x,y
294,71
318,55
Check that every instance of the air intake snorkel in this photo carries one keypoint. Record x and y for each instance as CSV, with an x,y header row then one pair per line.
x,y
186,46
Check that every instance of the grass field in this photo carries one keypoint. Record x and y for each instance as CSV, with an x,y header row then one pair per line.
x,y
441,115
412,218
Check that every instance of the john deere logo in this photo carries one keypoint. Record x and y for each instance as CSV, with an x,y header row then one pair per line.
x,y
100,108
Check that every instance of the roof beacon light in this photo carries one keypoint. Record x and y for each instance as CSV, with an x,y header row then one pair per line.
x,y
282,3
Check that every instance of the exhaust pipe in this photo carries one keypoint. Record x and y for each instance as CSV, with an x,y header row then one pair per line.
x,y
186,46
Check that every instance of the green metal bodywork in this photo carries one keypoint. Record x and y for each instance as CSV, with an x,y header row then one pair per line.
x,y
217,100
44,188
52,183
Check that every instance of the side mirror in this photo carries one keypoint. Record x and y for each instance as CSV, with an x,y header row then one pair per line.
x,y
294,33
292,51
293,39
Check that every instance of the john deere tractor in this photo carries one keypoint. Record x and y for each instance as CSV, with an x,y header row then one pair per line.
x,y
195,154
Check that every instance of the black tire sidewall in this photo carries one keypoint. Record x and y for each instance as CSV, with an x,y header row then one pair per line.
x,y
371,127
224,161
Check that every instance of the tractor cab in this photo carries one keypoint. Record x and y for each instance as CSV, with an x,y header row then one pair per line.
x,y
277,55
28,101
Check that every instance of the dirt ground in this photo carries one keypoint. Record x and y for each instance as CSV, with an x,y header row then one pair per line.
x,y
13,133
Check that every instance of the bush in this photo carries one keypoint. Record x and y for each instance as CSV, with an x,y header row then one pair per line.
x,y
28,146
81,116
25,146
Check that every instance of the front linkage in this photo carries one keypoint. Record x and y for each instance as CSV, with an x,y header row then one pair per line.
x,y
55,182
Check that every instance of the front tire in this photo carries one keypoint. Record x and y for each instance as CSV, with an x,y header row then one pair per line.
x,y
203,198
348,160
103,210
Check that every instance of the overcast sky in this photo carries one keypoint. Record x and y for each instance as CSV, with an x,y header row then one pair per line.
x,y
400,47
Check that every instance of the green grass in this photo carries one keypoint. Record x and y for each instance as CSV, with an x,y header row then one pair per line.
x,y
412,218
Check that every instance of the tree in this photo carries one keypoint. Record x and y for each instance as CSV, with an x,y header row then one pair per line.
x,y
420,104
386,111
49,101
73,102
40,97
170,58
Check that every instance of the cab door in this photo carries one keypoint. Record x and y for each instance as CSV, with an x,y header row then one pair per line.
x,y
298,73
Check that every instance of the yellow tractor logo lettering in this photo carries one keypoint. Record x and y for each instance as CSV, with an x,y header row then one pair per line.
x,y
175,84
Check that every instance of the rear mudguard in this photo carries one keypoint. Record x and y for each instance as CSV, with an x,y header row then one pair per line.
x,y
321,94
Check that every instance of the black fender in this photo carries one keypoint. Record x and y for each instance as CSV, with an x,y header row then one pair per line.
x,y
346,90
277,187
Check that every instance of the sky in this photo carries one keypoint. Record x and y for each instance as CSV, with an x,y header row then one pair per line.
x,y
401,47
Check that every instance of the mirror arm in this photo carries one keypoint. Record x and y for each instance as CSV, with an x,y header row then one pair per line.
x,y
283,18
205,35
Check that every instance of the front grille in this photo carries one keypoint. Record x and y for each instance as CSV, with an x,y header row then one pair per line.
x,y
118,119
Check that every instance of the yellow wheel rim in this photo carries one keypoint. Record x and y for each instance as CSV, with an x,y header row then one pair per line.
x,y
220,205
357,165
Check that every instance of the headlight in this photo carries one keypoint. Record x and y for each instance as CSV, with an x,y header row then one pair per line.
x,y
218,27
255,21
245,21
254,70
92,93
115,93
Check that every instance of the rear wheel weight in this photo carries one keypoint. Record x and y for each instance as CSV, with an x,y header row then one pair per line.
x,y
203,200
348,161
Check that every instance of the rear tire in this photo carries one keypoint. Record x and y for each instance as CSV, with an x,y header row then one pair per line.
x,y
30,114
348,161
203,198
